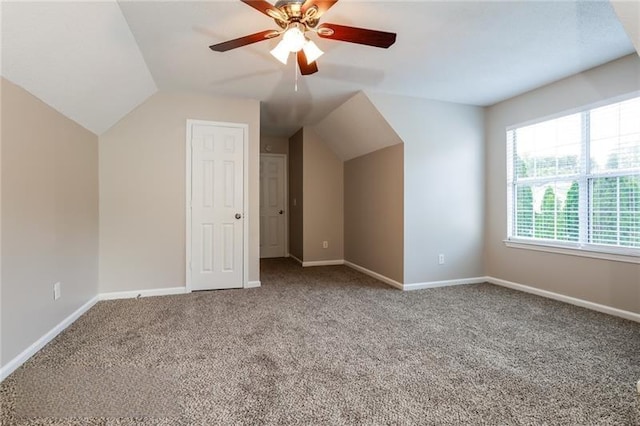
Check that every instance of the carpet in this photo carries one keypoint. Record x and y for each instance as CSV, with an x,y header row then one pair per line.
x,y
329,345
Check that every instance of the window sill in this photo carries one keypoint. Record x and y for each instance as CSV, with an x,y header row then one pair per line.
x,y
572,251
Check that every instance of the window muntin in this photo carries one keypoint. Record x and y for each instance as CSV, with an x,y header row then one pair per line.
x,y
575,180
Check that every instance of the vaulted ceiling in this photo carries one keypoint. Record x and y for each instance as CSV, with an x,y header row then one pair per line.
x,y
96,61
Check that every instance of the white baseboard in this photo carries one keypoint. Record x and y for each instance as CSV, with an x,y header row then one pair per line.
x,y
317,262
253,284
16,362
567,299
142,293
323,263
295,258
414,286
445,283
375,275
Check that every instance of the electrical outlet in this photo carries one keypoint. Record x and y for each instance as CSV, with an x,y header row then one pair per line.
x,y
441,259
325,244
56,291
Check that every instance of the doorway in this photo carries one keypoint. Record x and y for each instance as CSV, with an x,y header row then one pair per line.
x,y
273,212
217,233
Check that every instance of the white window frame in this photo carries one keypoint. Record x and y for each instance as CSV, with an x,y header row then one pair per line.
x,y
580,248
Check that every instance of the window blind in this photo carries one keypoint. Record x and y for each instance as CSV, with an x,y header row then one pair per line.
x,y
614,178
576,179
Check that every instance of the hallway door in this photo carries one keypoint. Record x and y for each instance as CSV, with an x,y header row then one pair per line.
x,y
273,230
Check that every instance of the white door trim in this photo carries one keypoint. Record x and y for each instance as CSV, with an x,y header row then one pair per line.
x,y
245,197
286,198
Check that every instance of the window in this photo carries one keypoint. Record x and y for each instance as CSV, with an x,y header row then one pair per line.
x,y
574,181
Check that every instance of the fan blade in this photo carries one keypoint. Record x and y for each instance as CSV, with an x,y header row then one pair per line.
x,y
243,41
266,8
357,35
321,5
306,69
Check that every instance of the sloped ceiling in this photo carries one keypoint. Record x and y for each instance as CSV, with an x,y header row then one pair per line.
x,y
628,12
95,61
356,128
78,57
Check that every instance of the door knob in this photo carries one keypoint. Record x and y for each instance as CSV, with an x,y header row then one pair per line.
x,y
281,211
238,216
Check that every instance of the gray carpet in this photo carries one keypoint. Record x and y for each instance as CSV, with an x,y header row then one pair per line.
x,y
329,345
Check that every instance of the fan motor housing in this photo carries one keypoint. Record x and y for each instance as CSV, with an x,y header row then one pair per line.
x,y
293,11
290,7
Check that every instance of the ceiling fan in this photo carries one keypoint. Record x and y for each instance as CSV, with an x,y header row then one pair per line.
x,y
296,18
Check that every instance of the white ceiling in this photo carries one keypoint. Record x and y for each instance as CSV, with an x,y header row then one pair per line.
x,y
83,60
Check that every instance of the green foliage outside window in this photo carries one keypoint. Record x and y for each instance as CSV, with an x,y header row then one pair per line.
x,y
576,178
615,207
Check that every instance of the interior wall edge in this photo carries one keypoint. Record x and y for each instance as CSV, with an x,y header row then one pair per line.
x,y
443,283
312,263
40,343
379,277
632,316
134,294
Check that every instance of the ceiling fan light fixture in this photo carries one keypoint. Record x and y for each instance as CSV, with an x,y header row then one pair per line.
x,y
281,52
295,18
294,38
293,41
312,51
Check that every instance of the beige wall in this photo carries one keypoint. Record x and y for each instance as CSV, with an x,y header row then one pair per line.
x,y
323,187
374,211
609,283
443,186
49,218
296,197
277,144
142,189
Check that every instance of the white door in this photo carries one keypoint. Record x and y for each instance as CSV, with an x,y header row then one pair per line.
x,y
272,202
217,211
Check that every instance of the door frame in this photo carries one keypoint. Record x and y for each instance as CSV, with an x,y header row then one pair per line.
x,y
245,196
286,198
